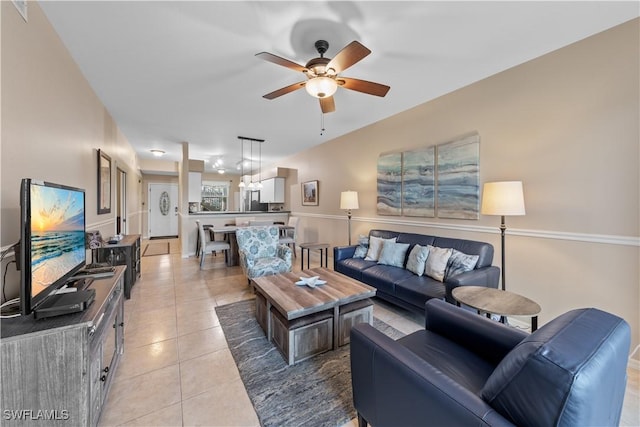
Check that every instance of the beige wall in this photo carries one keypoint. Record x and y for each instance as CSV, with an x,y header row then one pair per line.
x,y
52,126
566,124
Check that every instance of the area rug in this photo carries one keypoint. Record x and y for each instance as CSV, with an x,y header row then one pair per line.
x,y
314,392
157,248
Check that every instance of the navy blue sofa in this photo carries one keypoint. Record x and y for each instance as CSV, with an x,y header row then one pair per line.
x,y
466,370
404,288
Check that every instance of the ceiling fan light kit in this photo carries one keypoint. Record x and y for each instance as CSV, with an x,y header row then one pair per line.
x,y
321,87
322,74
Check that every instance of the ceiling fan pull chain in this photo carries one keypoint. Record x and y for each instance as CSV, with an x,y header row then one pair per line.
x,y
321,124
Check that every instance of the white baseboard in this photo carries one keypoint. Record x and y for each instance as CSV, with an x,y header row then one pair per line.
x,y
519,324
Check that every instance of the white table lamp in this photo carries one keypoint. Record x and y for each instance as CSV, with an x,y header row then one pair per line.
x,y
349,201
503,198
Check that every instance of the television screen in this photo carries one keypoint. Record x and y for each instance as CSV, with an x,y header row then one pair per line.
x,y
53,238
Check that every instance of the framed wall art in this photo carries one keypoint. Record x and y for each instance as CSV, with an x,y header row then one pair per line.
x,y
458,178
104,183
389,184
310,193
419,182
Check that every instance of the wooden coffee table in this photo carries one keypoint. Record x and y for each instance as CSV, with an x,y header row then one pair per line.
x,y
496,301
304,321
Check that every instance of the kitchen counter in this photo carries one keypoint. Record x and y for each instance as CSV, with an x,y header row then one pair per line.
x,y
237,213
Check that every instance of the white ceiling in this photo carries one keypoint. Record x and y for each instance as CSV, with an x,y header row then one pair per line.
x,y
186,71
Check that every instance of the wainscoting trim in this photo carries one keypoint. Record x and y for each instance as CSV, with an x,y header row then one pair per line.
x,y
541,234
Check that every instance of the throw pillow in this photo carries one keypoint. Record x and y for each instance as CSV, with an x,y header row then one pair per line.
x,y
437,262
363,247
460,263
393,253
375,247
417,259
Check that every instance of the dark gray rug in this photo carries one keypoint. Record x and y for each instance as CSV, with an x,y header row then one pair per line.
x,y
315,392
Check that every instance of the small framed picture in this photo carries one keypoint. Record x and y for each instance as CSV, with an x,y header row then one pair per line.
x,y
310,193
104,183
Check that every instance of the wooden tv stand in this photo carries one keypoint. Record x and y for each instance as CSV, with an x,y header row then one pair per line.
x,y
58,370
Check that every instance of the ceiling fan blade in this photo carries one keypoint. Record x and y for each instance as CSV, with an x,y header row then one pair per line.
x,y
349,55
285,90
327,104
363,86
280,61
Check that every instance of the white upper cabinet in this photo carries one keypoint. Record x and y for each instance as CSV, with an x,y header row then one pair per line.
x,y
195,187
272,190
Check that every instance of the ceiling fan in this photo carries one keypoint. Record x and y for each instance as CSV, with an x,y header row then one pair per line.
x,y
322,74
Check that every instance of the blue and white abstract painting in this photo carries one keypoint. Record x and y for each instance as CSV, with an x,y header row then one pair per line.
x,y
418,181
458,178
390,184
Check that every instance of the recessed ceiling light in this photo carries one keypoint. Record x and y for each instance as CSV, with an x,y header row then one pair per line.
x,y
157,153
220,171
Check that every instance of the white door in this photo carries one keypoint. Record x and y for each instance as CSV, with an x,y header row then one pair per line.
x,y
163,210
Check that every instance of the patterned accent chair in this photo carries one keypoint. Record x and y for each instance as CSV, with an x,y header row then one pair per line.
x,y
260,252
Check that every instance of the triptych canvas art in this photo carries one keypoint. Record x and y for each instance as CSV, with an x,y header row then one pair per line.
x,y
440,180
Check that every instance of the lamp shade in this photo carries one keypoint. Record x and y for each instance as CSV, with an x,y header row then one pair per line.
x,y
502,198
349,200
321,87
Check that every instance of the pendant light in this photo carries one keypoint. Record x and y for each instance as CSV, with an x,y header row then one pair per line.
x,y
241,185
259,185
250,186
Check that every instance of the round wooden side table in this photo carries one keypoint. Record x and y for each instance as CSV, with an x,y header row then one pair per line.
x,y
497,301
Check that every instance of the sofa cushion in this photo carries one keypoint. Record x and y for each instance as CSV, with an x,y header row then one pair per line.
x,y
437,262
393,253
415,239
417,259
417,290
550,375
384,277
353,267
375,247
460,263
482,249
455,361
362,248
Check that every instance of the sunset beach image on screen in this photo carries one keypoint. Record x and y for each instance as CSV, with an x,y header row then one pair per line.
x,y
57,234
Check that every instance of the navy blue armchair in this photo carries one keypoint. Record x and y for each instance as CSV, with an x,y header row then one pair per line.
x,y
464,369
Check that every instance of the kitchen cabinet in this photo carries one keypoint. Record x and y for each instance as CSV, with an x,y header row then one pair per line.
x,y
195,187
272,190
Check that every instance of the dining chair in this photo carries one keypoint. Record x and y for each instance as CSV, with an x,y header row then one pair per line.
x,y
210,246
288,236
259,223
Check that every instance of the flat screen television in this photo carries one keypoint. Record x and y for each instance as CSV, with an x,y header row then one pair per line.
x,y
52,239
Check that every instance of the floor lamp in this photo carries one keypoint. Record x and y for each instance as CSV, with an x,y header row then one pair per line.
x,y
349,201
502,198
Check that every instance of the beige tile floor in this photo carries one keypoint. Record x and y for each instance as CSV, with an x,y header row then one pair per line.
x,y
177,369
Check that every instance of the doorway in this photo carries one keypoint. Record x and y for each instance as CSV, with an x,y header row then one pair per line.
x,y
163,210
121,202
